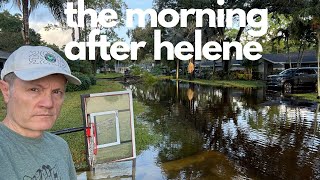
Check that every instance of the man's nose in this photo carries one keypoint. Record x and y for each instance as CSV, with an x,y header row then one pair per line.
x,y
47,100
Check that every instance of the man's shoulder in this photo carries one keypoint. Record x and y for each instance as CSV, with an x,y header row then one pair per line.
x,y
52,138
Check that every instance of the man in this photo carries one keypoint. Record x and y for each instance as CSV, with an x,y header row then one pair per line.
x,y
33,83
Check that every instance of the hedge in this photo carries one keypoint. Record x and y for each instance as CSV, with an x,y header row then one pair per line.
x,y
85,82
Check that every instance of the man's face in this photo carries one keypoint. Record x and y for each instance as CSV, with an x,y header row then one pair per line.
x,y
34,106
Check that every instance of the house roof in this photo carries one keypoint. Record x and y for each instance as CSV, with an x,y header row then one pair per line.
x,y
217,63
4,55
207,63
282,58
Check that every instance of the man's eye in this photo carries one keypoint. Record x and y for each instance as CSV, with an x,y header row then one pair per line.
x,y
34,89
58,92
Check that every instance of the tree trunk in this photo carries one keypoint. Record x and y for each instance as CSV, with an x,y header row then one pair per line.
x,y
75,18
227,64
214,67
73,34
25,12
318,36
300,56
288,52
177,71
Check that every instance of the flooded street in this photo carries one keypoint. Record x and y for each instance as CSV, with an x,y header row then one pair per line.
x,y
208,132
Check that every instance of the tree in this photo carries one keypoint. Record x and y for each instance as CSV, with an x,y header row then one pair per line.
x,y
117,5
10,32
27,6
284,34
308,16
144,34
303,36
212,33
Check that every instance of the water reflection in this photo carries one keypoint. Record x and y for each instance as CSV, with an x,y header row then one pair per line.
x,y
262,136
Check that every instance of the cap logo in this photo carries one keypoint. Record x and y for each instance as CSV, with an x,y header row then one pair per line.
x,y
50,57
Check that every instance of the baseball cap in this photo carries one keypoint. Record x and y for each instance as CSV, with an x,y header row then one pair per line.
x,y
34,62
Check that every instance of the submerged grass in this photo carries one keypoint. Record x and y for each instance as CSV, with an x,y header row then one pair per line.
x,y
144,135
308,96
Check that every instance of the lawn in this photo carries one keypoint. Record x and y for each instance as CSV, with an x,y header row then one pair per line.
x,y
224,83
108,75
308,96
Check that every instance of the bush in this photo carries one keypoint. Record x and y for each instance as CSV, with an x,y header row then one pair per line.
x,y
156,70
85,83
148,78
93,79
221,75
136,70
83,66
257,76
241,75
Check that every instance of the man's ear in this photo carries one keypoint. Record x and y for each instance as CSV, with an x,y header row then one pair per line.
x,y
4,86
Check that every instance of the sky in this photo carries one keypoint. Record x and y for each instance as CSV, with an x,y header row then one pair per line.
x,y
41,17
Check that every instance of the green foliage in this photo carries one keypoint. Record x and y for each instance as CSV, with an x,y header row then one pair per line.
x,y
35,38
10,23
136,70
215,76
85,83
156,70
221,75
93,79
10,32
144,34
82,66
148,78
243,76
118,6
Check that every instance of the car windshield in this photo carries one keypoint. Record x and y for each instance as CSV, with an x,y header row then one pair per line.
x,y
287,72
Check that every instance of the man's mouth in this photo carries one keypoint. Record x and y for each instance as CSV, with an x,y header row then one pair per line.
x,y
44,115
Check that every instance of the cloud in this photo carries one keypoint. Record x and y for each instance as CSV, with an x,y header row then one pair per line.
x,y
40,18
55,36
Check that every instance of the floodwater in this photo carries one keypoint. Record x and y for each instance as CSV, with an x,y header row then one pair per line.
x,y
207,132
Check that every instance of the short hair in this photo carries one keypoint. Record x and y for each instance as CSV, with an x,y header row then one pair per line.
x,y
9,78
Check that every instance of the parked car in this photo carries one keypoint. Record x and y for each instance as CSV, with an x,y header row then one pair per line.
x,y
294,78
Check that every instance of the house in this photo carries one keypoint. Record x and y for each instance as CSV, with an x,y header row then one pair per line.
x,y
3,57
217,65
272,63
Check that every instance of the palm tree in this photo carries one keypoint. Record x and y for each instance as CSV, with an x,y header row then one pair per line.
x,y
27,6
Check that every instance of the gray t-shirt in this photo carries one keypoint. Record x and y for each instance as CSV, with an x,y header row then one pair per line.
x,y
26,158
